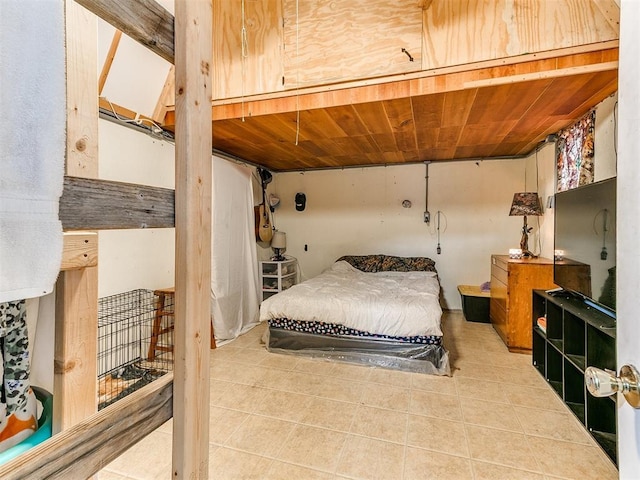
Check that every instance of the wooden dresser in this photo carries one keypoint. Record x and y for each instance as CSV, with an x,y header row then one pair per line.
x,y
512,282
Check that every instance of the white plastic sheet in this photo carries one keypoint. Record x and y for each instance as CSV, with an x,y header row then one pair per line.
x,y
235,289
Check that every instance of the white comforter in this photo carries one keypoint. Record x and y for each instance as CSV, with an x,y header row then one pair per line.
x,y
389,303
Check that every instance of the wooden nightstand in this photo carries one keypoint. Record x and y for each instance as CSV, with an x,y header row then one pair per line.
x,y
512,283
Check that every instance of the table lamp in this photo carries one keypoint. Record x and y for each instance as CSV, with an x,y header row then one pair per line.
x,y
279,244
526,203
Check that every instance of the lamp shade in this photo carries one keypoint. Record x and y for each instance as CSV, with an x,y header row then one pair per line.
x,y
526,203
279,240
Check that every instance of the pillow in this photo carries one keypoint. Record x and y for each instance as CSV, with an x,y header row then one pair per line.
x,y
364,263
408,264
385,263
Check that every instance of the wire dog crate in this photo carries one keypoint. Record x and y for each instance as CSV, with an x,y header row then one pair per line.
x,y
125,325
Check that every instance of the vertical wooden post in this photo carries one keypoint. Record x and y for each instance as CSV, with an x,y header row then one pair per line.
x,y
75,362
193,47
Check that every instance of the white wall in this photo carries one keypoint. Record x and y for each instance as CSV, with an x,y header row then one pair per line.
x,y
132,259
359,211
605,151
541,174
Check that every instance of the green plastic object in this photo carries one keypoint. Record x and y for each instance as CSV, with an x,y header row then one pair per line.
x,y
44,427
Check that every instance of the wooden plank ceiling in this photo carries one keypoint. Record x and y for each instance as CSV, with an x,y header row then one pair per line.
x,y
462,114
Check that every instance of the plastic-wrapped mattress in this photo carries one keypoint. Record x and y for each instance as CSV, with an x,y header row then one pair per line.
x,y
376,352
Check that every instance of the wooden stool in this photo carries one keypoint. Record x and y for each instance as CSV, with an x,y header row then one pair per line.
x,y
157,329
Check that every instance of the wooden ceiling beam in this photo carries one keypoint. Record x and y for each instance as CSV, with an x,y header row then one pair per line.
x,y
115,41
167,96
103,205
145,21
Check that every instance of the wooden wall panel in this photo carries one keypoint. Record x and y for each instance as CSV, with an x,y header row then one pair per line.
x,y
260,71
457,32
348,39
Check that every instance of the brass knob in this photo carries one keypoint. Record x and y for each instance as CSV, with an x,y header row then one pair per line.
x,y
603,383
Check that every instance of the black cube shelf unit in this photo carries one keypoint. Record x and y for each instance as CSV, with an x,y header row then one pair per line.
x,y
577,336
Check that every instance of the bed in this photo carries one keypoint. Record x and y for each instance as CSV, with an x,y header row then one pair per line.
x,y
376,310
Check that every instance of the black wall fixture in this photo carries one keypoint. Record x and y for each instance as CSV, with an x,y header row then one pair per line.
x,y
265,176
301,201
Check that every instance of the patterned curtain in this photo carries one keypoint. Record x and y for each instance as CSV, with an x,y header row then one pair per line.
x,y
574,153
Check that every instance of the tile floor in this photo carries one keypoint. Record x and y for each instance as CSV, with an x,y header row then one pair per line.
x,y
283,417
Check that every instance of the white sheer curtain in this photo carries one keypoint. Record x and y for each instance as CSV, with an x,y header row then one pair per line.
x,y
234,264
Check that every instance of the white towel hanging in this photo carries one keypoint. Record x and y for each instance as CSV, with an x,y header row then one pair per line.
x,y
32,145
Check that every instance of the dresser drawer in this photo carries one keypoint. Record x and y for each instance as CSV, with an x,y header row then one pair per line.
x,y
499,293
499,320
501,274
500,261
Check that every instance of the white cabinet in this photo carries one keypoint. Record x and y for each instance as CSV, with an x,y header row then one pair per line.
x,y
277,276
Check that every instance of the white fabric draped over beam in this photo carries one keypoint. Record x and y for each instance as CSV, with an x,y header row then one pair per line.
x,y
235,288
32,145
